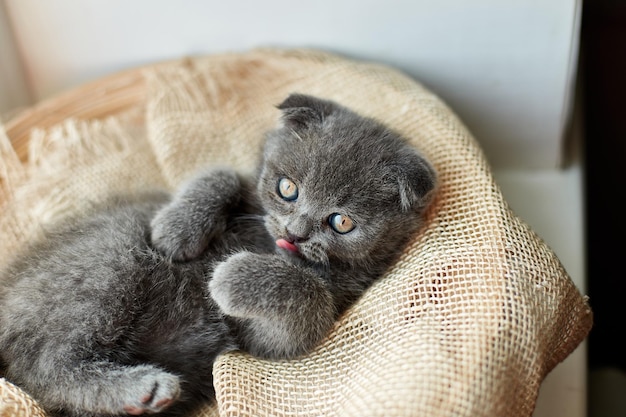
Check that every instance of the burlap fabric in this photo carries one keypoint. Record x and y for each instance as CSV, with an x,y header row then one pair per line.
x,y
468,323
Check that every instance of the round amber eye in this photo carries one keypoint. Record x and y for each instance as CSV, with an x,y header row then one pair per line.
x,y
340,223
287,189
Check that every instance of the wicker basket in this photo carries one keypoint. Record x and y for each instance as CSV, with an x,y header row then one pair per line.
x,y
468,323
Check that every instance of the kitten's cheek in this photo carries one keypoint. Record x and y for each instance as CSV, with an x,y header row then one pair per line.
x,y
271,225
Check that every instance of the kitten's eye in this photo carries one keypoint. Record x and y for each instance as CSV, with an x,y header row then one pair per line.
x,y
287,189
340,223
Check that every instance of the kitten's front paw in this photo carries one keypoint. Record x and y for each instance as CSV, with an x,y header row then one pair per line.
x,y
286,309
183,228
225,286
250,285
175,236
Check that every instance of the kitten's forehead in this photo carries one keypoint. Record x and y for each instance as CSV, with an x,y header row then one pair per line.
x,y
344,158
343,142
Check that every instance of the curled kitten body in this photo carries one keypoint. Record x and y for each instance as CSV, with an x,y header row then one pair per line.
x,y
123,311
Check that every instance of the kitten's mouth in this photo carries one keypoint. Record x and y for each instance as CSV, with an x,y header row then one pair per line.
x,y
287,245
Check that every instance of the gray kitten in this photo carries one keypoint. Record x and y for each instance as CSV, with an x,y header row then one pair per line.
x,y
125,310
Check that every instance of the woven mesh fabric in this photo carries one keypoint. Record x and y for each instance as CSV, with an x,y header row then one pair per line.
x,y
468,322
13,402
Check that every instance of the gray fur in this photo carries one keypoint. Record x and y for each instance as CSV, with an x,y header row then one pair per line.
x,y
124,311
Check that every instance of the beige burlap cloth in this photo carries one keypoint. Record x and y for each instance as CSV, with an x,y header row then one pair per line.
x,y
468,323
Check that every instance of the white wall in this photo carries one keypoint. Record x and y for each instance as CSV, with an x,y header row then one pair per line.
x,y
13,87
506,67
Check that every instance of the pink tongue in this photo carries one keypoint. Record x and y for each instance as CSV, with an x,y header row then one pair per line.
x,y
282,243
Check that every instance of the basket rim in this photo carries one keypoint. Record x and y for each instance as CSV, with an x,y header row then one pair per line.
x,y
97,99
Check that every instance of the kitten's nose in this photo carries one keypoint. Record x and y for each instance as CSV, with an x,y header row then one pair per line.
x,y
299,228
295,238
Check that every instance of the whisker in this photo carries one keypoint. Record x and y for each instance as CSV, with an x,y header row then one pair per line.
x,y
248,223
296,135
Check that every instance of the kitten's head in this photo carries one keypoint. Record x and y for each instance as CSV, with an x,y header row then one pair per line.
x,y
336,185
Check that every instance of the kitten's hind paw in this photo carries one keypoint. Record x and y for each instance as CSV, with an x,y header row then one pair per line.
x,y
154,394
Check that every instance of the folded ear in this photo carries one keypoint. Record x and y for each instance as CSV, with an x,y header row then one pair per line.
x,y
416,178
301,110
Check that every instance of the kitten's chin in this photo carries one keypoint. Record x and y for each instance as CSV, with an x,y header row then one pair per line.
x,y
314,254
